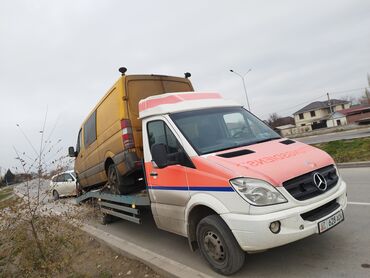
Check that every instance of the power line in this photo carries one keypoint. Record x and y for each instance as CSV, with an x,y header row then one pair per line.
x,y
350,90
308,101
335,92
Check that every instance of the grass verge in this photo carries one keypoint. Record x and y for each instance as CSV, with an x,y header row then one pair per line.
x,y
5,192
351,150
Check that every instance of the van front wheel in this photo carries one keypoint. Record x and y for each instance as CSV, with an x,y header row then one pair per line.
x,y
218,245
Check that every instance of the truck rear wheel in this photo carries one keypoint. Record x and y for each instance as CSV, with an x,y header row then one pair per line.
x,y
218,245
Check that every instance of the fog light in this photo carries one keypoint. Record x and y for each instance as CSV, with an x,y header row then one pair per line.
x,y
275,227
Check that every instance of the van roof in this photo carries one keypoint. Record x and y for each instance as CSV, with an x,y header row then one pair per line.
x,y
125,78
180,102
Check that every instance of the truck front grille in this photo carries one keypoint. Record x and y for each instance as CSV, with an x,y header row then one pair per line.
x,y
303,187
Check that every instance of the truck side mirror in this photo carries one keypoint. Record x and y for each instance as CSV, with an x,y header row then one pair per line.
x,y
71,152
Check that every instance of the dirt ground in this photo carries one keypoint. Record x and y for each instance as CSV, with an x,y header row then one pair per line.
x,y
96,260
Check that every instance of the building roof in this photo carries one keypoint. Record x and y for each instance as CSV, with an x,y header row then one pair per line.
x,y
335,115
320,105
356,109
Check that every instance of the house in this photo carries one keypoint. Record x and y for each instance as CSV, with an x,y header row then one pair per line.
x,y
281,122
359,114
335,119
316,114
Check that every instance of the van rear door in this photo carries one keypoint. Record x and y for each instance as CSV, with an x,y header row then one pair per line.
x,y
139,87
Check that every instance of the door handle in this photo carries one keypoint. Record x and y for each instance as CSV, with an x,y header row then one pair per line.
x,y
153,174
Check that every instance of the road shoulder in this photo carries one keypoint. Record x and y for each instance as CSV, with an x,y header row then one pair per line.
x,y
160,264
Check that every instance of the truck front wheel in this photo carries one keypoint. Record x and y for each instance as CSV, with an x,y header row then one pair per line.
x,y
218,245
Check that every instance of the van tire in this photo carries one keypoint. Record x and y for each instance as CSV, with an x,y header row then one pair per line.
x,y
117,182
219,246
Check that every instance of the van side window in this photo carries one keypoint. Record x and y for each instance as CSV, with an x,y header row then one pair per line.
x,y
78,146
90,130
158,132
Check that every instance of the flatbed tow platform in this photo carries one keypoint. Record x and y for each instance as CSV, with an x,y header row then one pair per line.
x,y
122,206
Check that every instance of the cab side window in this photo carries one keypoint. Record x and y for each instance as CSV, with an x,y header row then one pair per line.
x,y
90,130
159,133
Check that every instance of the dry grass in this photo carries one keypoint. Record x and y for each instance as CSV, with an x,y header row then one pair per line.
x,y
61,249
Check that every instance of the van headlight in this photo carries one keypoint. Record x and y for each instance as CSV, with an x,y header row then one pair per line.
x,y
257,192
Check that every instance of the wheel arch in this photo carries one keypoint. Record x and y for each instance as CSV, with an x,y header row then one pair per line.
x,y
108,161
200,206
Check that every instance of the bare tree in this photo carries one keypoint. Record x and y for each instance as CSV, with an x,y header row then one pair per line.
x,y
272,119
349,98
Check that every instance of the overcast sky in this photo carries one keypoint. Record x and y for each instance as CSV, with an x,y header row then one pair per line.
x,y
62,56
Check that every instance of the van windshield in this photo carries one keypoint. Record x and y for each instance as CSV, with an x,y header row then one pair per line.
x,y
217,129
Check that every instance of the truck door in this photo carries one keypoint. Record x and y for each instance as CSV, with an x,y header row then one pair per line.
x,y
168,187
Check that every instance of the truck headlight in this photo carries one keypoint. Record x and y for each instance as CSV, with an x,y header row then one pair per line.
x,y
257,192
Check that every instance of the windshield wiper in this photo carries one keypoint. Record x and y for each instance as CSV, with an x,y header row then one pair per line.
x,y
265,140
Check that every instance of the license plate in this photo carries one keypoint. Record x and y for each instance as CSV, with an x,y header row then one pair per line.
x,y
331,221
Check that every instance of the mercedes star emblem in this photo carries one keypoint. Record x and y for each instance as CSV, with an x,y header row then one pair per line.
x,y
320,182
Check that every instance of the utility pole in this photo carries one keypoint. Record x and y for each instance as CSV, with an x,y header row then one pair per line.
x,y
331,108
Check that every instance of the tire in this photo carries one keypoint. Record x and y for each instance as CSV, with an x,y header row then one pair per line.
x,y
219,246
117,182
105,219
55,195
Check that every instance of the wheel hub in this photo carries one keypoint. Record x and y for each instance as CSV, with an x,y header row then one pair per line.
x,y
213,246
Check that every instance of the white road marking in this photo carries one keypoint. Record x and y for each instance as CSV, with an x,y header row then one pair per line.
x,y
358,203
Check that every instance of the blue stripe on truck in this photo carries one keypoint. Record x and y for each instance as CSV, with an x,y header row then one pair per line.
x,y
194,188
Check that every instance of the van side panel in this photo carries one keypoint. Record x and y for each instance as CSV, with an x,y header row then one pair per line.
x,y
109,129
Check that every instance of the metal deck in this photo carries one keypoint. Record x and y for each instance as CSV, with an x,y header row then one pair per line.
x,y
121,206
136,199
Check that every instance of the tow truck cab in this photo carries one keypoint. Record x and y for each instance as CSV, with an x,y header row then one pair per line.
x,y
218,175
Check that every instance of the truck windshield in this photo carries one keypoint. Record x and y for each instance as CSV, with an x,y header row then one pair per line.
x,y
217,129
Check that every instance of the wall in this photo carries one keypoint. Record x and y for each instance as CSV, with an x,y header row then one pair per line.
x,y
295,130
343,121
353,118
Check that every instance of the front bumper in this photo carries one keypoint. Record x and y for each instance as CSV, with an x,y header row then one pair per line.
x,y
253,234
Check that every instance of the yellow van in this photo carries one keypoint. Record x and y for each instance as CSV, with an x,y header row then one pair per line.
x,y
109,145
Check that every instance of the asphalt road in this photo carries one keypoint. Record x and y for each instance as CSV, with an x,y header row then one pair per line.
x,y
342,252
350,134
